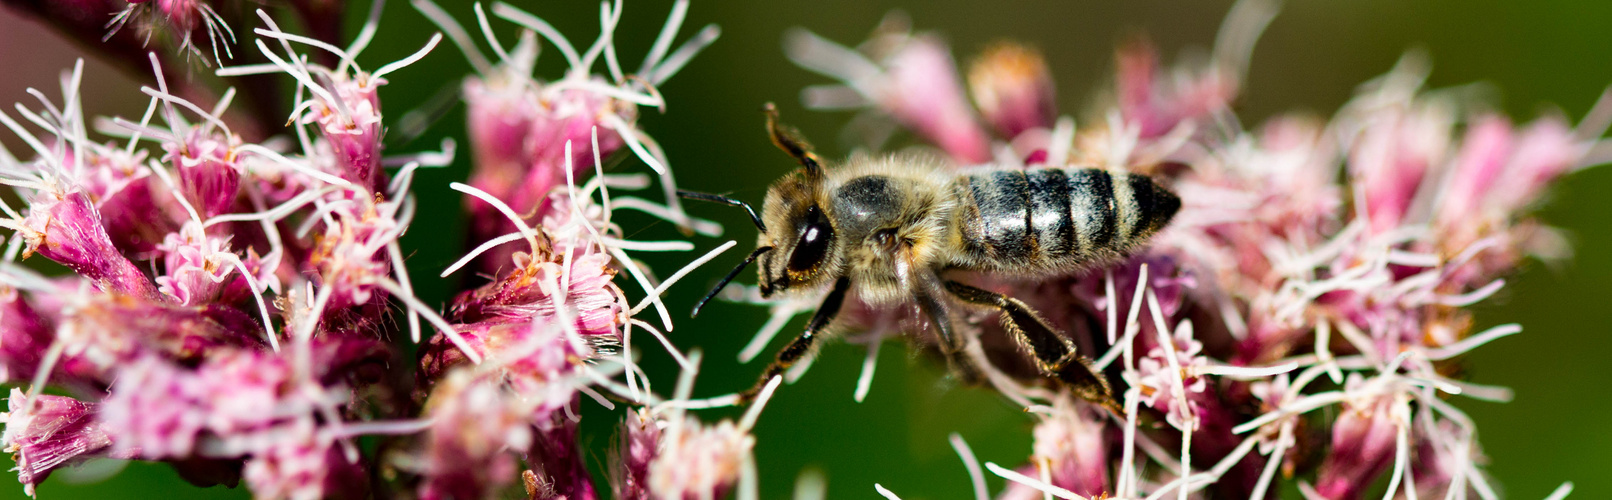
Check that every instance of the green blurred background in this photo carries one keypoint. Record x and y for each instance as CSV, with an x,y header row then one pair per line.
x,y
1538,56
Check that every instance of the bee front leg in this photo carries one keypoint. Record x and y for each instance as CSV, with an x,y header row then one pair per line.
x,y
798,348
1054,355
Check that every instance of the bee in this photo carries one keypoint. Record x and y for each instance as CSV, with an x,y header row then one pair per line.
x,y
890,230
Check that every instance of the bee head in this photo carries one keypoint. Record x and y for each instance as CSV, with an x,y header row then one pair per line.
x,y
796,248
800,234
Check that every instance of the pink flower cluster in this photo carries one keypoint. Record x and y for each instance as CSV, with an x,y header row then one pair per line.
x,y
240,306
1314,265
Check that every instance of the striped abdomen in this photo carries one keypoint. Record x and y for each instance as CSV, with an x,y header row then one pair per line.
x,y
1051,219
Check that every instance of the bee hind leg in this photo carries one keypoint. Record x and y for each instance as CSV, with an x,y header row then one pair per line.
x,y
802,344
1054,355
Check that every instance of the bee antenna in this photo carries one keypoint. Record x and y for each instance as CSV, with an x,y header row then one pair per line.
x,y
695,195
728,279
792,142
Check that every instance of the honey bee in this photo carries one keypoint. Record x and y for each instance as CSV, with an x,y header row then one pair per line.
x,y
889,230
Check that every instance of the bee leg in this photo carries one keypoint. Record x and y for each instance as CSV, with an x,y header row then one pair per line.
x,y
798,348
951,344
1054,355
791,141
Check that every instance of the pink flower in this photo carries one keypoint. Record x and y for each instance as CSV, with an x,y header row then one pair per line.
x,y
197,266
1395,149
639,447
350,119
1363,440
161,411
910,77
1157,105
304,464
477,427
209,175
697,461
1069,443
558,470
1159,382
923,91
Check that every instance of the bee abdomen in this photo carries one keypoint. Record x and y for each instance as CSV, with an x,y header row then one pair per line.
x,y
1046,219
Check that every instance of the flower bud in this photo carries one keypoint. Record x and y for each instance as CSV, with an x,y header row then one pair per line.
x,y
48,432
1013,88
922,91
67,228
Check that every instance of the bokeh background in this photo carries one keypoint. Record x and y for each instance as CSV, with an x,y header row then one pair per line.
x,y
1535,57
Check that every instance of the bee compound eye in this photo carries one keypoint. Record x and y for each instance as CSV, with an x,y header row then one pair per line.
x,y
813,245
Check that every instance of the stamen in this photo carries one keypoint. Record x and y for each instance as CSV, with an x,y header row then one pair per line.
x,y
643,281
1469,343
608,18
781,315
162,84
630,136
665,342
313,42
484,247
884,492
278,212
534,23
306,80
1561,492
411,59
172,99
262,307
685,53
830,59
372,22
663,41
402,274
700,226
748,421
683,272
384,427
414,303
431,159
649,246
1038,484
1245,372
509,213
134,140
249,69
456,33
975,475
1131,326
810,485
864,382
